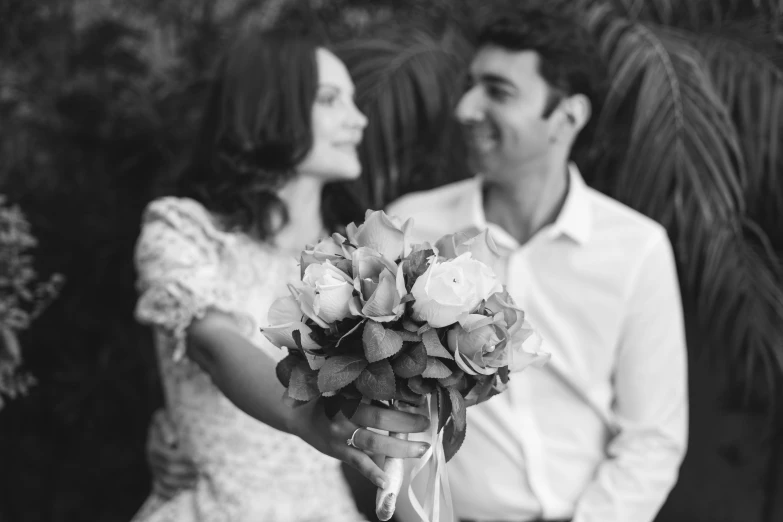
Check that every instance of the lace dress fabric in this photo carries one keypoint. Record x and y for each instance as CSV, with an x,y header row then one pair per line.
x,y
248,472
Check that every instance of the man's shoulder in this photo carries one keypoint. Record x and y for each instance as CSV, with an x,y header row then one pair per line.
x,y
621,222
443,199
437,212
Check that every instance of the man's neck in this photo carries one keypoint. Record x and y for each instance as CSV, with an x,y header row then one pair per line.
x,y
528,203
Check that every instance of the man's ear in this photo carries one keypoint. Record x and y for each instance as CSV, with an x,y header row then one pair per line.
x,y
577,110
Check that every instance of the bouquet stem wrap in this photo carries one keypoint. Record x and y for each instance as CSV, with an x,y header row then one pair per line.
x,y
438,479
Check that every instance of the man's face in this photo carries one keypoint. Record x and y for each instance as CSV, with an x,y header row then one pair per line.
x,y
502,111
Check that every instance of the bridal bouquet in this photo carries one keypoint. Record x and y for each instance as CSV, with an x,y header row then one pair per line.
x,y
378,319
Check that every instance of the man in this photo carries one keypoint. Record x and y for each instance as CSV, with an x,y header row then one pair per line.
x,y
599,433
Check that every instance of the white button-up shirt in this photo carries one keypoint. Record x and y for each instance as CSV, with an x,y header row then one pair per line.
x,y
599,433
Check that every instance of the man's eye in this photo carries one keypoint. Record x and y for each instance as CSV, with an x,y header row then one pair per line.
x,y
496,93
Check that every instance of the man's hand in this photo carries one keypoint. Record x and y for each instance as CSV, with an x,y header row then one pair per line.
x,y
172,469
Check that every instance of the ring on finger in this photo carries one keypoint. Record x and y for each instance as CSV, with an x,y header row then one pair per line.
x,y
351,441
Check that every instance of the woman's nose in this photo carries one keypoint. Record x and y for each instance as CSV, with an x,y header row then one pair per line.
x,y
358,119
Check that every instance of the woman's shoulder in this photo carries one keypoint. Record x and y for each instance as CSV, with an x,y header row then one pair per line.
x,y
185,215
177,208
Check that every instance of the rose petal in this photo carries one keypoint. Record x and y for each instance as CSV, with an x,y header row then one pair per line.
x,y
284,310
368,263
305,296
379,233
385,298
332,301
482,247
329,245
467,366
281,335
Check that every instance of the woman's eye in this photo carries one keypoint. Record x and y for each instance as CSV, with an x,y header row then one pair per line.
x,y
327,99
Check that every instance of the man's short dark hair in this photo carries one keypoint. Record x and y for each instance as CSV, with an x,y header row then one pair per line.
x,y
569,59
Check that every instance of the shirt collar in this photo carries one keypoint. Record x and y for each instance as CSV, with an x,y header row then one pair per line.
x,y
573,221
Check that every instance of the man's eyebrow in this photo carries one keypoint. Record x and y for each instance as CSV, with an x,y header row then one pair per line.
x,y
495,79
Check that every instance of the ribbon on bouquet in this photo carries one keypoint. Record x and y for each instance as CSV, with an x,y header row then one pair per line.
x,y
438,483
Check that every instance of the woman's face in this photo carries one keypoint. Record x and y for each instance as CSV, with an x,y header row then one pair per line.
x,y
337,124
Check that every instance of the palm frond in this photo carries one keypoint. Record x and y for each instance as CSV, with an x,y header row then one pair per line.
x,y
752,88
698,14
679,160
411,141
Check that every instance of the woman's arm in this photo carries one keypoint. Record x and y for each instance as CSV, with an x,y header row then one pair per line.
x,y
246,375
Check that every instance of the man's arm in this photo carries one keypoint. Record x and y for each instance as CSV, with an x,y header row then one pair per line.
x,y
651,400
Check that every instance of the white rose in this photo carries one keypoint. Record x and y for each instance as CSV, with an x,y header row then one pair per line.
x,y
382,233
325,294
450,289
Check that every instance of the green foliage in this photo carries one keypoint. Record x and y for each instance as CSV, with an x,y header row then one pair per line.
x,y
22,297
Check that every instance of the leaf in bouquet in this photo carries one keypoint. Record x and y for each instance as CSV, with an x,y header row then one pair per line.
x,y
297,335
410,362
417,264
434,347
350,392
409,336
452,440
503,373
286,366
349,406
453,380
303,385
380,342
377,381
436,369
458,412
339,371
409,325
481,390
424,328
444,407
405,394
498,386
422,386
332,405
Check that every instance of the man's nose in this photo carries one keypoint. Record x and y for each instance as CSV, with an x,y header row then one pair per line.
x,y
470,106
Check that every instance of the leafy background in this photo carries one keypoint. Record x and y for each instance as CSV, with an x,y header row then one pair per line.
x,y
99,97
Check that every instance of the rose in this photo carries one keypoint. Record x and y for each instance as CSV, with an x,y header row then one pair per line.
x,y
380,284
382,233
479,244
285,317
325,294
498,337
451,289
334,248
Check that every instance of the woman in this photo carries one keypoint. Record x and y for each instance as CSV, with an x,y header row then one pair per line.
x,y
279,124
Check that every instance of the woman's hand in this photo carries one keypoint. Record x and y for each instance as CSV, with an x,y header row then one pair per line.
x,y
310,423
172,469
247,376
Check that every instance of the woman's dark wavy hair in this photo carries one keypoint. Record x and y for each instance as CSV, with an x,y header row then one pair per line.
x,y
255,129
570,61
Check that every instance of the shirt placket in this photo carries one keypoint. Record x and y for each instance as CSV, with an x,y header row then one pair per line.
x,y
520,393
